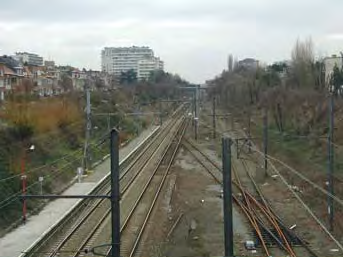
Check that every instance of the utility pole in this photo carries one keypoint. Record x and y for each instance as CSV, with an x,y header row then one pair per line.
x,y
331,162
108,122
249,129
88,128
23,180
196,114
115,194
214,117
265,140
227,198
160,107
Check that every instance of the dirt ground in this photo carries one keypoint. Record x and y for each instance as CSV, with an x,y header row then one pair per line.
x,y
288,207
192,198
189,222
189,218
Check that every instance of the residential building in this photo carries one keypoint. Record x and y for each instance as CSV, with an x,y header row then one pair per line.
x,y
5,80
11,73
115,60
79,78
29,58
329,64
12,64
146,66
249,63
49,64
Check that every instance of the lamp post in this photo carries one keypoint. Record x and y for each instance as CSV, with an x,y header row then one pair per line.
x,y
24,178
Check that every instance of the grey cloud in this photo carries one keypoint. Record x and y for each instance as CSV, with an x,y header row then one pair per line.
x,y
192,36
272,12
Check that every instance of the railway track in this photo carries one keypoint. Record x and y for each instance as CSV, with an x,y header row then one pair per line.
x,y
134,226
141,183
86,222
268,227
85,234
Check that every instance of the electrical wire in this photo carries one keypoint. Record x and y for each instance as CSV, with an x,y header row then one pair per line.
x,y
315,185
307,208
47,134
54,173
269,157
41,167
100,140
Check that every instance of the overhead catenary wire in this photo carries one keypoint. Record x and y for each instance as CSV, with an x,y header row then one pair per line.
x,y
14,196
307,208
98,142
41,167
269,157
255,149
48,134
285,134
54,173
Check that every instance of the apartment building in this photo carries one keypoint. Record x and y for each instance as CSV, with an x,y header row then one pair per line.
x,y
29,58
329,64
249,63
115,60
146,66
11,73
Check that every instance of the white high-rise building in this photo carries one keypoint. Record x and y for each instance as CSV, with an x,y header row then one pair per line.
x,y
146,66
115,60
29,58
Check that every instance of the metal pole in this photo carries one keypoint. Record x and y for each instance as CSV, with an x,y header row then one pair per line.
x,y
331,163
237,149
108,122
227,188
40,179
115,195
265,140
214,117
160,106
23,180
88,128
232,121
196,114
249,130
193,109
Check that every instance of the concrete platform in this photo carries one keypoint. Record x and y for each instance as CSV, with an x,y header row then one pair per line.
x,y
17,241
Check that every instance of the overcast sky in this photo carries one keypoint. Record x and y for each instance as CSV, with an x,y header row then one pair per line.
x,y
193,37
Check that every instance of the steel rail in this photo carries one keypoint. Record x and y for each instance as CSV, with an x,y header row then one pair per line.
x,y
267,212
252,219
100,188
139,237
138,201
245,209
88,215
275,216
264,208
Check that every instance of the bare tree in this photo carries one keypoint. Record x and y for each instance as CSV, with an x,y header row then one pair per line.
x,y
230,62
302,67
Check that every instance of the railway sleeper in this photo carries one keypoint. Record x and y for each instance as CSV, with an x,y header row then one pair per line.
x,y
271,241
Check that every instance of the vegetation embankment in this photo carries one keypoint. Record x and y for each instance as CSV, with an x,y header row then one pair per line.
x,y
56,126
295,96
